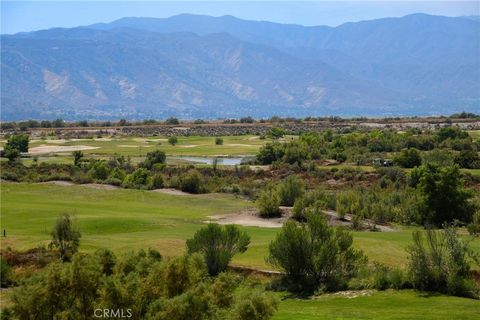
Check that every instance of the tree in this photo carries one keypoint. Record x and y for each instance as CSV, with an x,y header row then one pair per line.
x,y
269,203
172,121
77,157
172,140
18,142
290,190
270,152
65,237
441,262
314,255
153,158
409,158
442,195
11,154
468,159
275,133
218,141
218,245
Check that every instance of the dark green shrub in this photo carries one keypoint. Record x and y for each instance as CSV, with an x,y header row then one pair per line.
x,y
191,182
218,141
137,180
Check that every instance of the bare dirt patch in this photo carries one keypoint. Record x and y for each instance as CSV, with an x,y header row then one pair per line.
x,y
174,192
59,183
56,149
99,186
189,146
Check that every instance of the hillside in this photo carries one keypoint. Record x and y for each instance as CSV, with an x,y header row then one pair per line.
x,y
199,66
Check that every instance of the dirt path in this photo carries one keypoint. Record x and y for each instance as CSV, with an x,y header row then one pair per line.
x,y
174,192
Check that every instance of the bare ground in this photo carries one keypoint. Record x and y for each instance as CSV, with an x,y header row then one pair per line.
x,y
55,149
174,192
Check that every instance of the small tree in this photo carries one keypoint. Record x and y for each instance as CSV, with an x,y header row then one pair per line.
x,y
172,121
275,133
218,245
153,158
65,237
290,190
314,255
173,140
77,157
218,141
269,203
409,158
19,142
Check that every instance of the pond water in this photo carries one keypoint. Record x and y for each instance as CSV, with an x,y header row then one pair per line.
x,y
209,160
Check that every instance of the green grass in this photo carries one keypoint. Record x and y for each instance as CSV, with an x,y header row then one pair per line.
x,y
390,305
187,146
124,219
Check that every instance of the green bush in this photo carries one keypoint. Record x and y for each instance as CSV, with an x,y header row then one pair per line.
x,y
440,261
157,181
290,190
173,140
153,158
315,256
268,203
65,237
218,141
409,158
192,182
137,180
218,245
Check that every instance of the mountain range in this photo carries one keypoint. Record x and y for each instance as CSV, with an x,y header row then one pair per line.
x,y
193,66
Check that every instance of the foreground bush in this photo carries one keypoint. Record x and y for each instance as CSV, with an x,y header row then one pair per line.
x,y
315,256
440,261
140,285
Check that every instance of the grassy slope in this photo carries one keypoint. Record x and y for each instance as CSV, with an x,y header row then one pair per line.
x,y
131,219
391,305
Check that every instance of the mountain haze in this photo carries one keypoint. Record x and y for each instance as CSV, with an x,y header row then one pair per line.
x,y
193,66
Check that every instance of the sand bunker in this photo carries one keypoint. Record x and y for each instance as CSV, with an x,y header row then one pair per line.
x,y
248,218
189,146
239,145
55,149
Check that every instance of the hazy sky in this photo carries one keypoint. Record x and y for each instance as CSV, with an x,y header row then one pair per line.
x,y
19,16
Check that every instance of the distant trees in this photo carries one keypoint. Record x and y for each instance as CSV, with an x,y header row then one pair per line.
x,y
218,245
172,121
439,261
65,237
443,197
315,256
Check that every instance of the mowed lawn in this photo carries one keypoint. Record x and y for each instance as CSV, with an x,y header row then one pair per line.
x,y
124,219
405,304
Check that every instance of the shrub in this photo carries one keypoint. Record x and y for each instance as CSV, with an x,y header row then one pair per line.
x,y
5,271
138,179
218,141
153,158
172,140
65,237
98,170
157,181
315,256
218,245
409,158
191,182
269,203
290,190
17,142
439,261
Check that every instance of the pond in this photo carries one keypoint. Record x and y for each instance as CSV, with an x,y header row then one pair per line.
x,y
209,160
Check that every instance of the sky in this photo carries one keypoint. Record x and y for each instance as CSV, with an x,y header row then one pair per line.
x,y
20,16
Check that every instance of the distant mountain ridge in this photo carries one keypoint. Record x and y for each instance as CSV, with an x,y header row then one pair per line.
x,y
193,66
